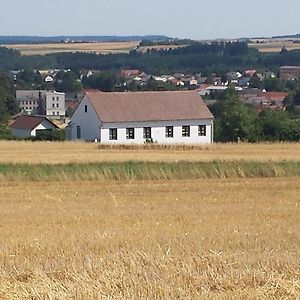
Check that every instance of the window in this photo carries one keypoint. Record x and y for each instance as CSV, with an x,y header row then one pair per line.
x,y
113,133
53,98
147,133
53,113
53,105
130,133
78,132
57,113
57,105
85,108
185,131
202,130
169,131
57,98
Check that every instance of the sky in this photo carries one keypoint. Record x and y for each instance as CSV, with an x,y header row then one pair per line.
x,y
196,19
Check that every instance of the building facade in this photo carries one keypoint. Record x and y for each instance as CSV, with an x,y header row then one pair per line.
x,y
289,72
46,103
142,117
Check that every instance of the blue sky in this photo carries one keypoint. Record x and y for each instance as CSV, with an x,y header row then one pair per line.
x,y
195,19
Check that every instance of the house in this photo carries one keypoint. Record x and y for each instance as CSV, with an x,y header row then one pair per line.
x,y
47,103
27,126
135,118
289,72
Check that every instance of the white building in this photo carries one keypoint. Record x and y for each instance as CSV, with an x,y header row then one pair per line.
x,y
53,105
139,117
41,102
26,126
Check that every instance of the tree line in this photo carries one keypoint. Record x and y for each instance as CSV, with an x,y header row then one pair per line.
x,y
196,57
235,121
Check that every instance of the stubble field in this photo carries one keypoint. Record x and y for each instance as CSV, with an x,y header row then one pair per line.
x,y
99,48
130,238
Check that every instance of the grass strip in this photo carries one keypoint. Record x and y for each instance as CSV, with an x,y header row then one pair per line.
x,y
132,170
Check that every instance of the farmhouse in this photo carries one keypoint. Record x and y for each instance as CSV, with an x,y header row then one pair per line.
x,y
139,117
26,126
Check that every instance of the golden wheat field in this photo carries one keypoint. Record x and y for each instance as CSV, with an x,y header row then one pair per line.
x,y
229,238
66,152
103,48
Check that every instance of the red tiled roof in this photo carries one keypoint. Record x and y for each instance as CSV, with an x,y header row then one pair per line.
x,y
29,122
148,106
274,95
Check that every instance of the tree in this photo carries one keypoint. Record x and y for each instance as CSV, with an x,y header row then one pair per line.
x,y
8,104
236,121
105,81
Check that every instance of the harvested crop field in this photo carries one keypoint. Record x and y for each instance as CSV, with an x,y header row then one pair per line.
x,y
185,239
83,221
275,46
103,48
68,152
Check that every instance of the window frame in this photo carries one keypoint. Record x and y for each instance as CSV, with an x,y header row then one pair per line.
x,y
113,134
130,133
169,131
202,130
186,130
78,132
147,133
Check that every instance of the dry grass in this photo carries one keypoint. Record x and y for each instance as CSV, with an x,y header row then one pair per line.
x,y
103,48
48,152
189,239
275,46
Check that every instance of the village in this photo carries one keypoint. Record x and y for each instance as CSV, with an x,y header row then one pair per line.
x,y
53,110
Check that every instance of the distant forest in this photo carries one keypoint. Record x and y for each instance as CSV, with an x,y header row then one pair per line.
x,y
217,57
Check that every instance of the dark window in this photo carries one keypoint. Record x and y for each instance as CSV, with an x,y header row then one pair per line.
x,y
57,104
85,108
147,133
169,131
130,133
185,130
53,105
202,130
113,133
78,132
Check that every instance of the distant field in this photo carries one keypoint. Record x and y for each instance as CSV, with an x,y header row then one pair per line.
x,y
103,48
67,152
276,46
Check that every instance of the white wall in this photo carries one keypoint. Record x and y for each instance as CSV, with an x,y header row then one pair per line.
x,y
58,101
88,121
158,132
42,126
